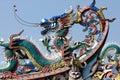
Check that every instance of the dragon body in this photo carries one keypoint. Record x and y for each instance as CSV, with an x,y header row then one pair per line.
x,y
109,47
112,61
12,62
33,53
11,66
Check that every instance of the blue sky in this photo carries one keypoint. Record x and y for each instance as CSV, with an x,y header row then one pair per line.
x,y
35,10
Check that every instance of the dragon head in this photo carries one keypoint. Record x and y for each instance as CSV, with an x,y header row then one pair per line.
x,y
12,52
57,22
48,26
8,52
80,44
4,44
77,44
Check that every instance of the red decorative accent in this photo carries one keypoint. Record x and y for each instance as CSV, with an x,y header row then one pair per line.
x,y
64,21
81,52
46,69
12,39
103,21
8,75
94,27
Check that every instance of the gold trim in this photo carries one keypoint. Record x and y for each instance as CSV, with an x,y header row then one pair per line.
x,y
30,57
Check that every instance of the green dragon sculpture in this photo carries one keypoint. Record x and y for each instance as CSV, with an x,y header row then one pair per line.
x,y
12,62
109,62
12,47
105,52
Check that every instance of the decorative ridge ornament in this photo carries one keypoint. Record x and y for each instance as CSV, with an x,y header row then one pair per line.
x,y
80,60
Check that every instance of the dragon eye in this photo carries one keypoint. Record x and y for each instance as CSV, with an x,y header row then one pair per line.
x,y
75,43
53,25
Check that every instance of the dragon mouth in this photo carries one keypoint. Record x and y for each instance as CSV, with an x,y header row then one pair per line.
x,y
45,31
45,24
50,28
46,27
